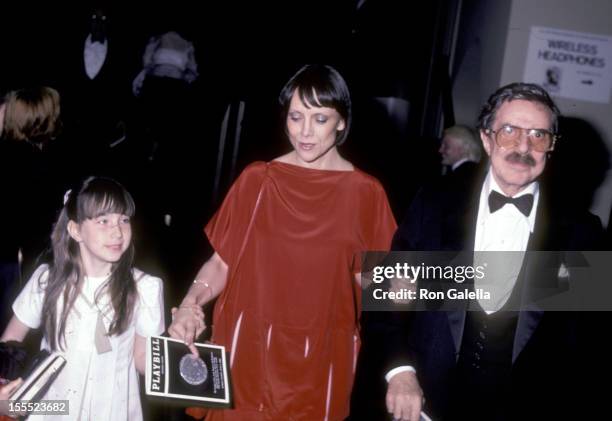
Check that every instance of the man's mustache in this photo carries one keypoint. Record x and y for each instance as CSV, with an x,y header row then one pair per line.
x,y
517,158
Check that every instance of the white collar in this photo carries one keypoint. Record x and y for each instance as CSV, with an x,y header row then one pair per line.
x,y
94,56
89,42
458,163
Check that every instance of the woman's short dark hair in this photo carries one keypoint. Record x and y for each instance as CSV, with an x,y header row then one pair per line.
x,y
321,86
525,91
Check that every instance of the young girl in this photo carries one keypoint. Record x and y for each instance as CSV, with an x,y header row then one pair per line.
x,y
93,305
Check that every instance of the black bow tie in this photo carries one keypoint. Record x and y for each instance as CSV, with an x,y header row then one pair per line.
x,y
523,203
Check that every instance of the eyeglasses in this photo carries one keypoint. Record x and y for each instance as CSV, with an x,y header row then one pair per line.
x,y
509,137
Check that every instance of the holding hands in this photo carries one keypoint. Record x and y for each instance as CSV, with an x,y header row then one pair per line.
x,y
188,318
187,324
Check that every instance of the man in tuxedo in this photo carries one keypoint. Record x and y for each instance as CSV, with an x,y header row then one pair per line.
x,y
500,363
97,56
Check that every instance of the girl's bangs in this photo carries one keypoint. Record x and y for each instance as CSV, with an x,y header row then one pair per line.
x,y
101,203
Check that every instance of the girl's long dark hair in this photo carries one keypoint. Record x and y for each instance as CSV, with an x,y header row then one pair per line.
x,y
96,196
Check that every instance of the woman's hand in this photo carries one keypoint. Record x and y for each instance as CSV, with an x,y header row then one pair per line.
x,y
187,325
188,318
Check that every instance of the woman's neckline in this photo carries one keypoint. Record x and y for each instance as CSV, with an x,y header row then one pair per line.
x,y
276,161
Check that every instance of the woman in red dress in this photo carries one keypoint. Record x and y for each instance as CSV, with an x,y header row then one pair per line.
x,y
288,240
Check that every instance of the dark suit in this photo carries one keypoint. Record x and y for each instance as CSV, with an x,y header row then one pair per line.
x,y
543,345
92,108
464,173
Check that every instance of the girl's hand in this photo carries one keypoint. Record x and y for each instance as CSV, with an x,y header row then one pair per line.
x,y
187,325
5,392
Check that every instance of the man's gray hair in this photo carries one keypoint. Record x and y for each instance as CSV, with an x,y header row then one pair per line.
x,y
468,139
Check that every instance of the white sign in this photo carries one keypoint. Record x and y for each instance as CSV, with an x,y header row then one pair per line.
x,y
570,64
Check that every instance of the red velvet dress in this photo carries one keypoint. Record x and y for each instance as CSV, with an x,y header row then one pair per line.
x,y
292,238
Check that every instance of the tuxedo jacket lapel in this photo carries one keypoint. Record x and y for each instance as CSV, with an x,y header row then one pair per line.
x,y
528,321
530,317
456,319
471,218
456,322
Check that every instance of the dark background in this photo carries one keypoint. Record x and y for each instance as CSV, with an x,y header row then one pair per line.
x,y
245,51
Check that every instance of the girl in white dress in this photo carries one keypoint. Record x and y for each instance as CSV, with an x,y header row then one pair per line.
x,y
93,305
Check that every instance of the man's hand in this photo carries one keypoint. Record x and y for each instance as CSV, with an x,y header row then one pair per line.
x,y
404,396
402,284
187,325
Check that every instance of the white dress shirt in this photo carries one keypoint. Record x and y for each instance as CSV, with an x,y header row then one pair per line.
x,y
94,55
506,230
